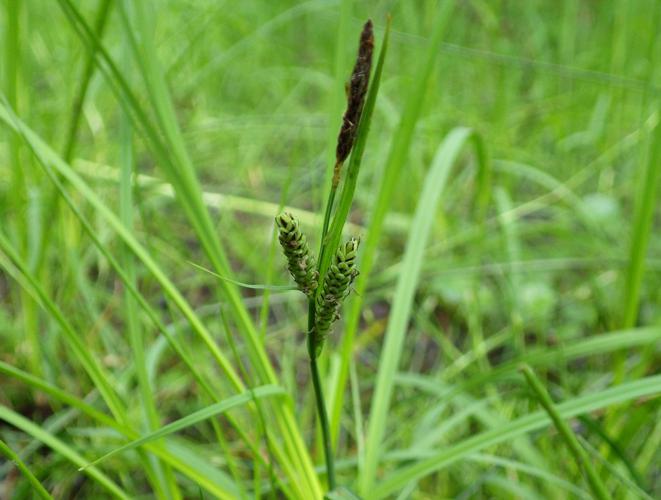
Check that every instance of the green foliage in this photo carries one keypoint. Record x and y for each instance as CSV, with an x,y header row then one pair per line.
x,y
503,181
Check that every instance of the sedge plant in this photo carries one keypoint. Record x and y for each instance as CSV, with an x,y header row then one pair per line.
x,y
326,281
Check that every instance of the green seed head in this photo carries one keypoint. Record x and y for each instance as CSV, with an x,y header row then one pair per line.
x,y
295,247
339,277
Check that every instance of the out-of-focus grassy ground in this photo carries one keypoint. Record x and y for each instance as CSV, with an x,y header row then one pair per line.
x,y
564,95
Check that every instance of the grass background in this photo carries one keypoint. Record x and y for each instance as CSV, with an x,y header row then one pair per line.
x,y
201,120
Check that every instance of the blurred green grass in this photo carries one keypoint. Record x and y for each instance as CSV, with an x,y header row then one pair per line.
x,y
564,95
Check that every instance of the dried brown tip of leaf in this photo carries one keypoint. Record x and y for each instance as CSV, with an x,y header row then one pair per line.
x,y
357,89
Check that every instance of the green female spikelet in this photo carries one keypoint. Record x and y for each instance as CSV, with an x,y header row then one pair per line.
x,y
340,275
299,260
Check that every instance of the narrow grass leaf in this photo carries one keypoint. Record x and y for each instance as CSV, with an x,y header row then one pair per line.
x,y
196,417
567,434
160,476
434,186
37,487
647,199
273,288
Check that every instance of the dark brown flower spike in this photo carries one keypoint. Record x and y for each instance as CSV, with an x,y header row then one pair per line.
x,y
356,90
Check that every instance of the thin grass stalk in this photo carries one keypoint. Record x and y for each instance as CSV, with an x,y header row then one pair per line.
x,y
646,201
653,51
161,476
434,186
582,459
613,470
615,448
319,399
642,225
100,23
37,487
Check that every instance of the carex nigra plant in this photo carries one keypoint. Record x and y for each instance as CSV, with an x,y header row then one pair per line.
x,y
326,288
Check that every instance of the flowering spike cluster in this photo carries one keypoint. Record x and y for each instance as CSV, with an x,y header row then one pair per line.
x,y
340,275
299,260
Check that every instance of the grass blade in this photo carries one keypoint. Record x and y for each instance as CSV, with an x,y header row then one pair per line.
x,y
567,434
160,475
273,288
434,186
196,417
547,357
38,488
642,225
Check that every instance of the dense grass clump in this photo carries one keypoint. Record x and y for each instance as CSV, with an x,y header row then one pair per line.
x,y
499,163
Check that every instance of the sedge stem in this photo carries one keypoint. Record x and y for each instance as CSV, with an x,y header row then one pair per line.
x,y
329,209
319,398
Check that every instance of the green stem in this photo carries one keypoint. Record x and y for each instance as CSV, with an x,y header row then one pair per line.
x,y
312,344
37,487
327,216
319,398
580,455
